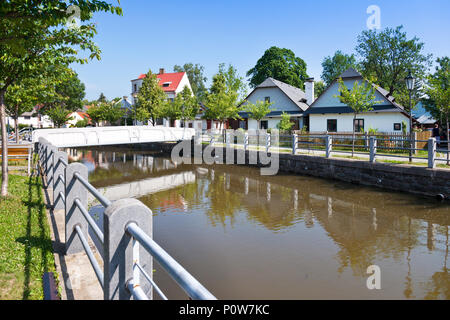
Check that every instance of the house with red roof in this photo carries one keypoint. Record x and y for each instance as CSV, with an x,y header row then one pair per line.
x,y
77,116
171,83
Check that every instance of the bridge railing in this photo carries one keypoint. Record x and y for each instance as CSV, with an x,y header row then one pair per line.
x,y
125,244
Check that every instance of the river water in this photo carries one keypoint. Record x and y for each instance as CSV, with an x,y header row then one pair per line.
x,y
245,236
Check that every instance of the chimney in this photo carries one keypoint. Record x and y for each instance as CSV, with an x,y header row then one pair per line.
x,y
309,91
161,71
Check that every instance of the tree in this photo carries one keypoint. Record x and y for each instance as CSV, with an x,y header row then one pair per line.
x,y
441,75
63,90
361,98
32,37
102,98
150,99
319,88
96,114
387,55
280,64
224,95
20,98
190,105
336,65
59,116
258,110
438,91
106,111
285,124
196,78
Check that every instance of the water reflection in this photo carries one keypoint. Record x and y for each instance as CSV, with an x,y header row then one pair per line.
x,y
283,237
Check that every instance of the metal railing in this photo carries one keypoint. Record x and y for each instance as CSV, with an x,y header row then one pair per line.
x,y
125,243
372,147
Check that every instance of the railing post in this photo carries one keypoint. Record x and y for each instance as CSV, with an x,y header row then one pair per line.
x,y
74,216
268,142
51,151
373,149
328,146
118,248
432,153
227,139
246,141
294,144
59,185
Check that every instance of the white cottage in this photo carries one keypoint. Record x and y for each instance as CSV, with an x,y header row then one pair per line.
x,y
285,98
328,114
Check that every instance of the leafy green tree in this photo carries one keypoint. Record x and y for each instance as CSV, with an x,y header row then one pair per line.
x,y
96,114
102,98
113,111
63,90
386,57
190,105
33,37
336,65
361,98
20,98
442,76
151,99
280,64
196,78
82,123
285,124
224,97
59,116
319,88
438,91
258,110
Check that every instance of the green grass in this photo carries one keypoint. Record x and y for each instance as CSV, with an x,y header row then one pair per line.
x,y
25,243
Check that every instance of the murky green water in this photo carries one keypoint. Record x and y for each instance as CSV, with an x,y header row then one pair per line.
x,y
285,237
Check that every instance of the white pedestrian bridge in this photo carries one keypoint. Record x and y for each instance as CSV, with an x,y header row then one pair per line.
x,y
103,136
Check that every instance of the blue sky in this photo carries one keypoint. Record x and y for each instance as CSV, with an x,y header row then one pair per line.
x,y
161,34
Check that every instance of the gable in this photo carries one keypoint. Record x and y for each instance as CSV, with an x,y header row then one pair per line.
x,y
281,102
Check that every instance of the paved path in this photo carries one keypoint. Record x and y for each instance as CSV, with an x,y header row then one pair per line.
x,y
77,278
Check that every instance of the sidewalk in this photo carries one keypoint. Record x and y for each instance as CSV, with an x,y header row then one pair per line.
x,y
77,279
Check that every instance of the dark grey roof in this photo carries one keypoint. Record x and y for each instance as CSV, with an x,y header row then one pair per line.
x,y
245,115
295,94
350,73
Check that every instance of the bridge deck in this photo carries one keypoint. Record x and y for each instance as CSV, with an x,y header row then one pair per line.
x,y
87,137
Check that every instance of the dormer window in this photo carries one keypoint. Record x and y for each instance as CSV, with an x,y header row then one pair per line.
x,y
267,99
166,84
135,88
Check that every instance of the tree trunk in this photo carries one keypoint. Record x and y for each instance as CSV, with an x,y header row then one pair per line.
x,y
353,138
448,142
16,127
4,187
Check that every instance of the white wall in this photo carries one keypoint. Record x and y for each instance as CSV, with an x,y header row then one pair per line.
x,y
384,122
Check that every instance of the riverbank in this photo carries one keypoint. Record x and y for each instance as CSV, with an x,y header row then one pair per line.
x,y
25,244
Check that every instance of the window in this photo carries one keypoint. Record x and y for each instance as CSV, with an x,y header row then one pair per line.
x,y
332,125
359,125
267,99
264,124
397,126
159,122
27,118
166,84
135,88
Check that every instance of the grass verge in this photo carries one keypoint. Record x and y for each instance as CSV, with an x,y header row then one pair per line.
x,y
25,245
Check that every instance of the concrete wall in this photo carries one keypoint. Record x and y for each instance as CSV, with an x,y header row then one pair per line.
x,y
411,179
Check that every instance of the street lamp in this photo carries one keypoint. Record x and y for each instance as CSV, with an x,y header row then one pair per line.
x,y
410,83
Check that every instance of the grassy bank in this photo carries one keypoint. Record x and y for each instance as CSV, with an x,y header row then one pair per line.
x,y
25,243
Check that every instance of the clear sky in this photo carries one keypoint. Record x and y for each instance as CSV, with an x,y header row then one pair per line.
x,y
161,34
